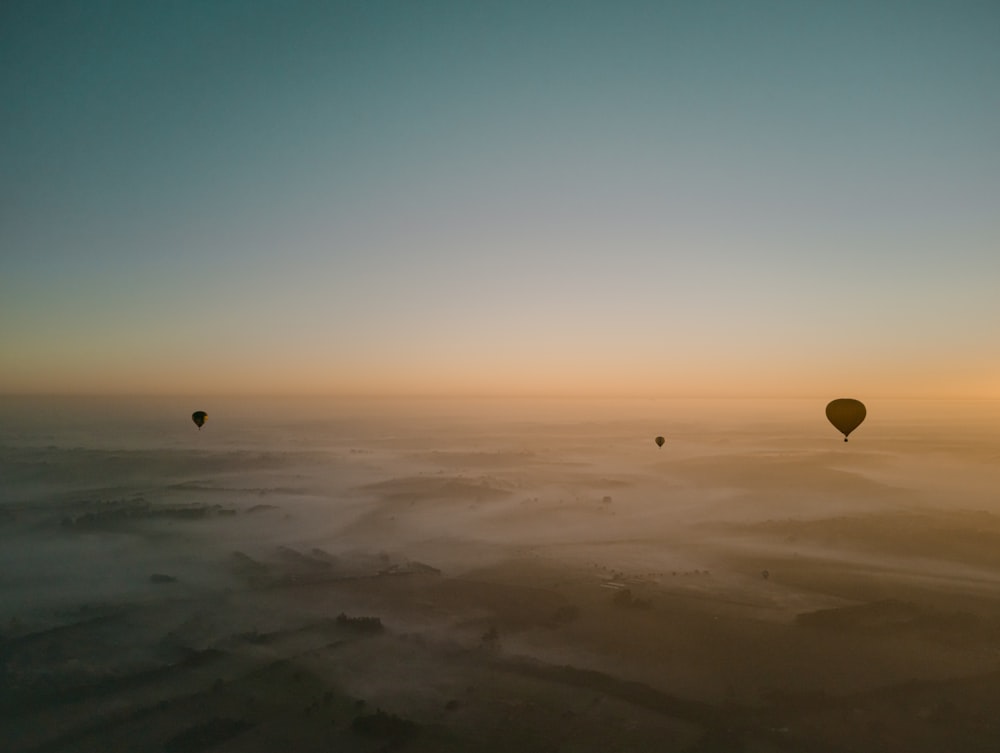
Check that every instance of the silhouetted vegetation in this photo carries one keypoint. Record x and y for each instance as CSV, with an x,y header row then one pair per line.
x,y
206,735
410,568
961,535
304,562
624,598
21,693
247,567
892,615
119,512
381,724
255,637
361,624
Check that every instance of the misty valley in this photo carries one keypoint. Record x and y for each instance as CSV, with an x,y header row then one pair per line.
x,y
496,576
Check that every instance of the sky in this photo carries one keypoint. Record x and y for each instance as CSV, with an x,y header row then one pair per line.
x,y
650,199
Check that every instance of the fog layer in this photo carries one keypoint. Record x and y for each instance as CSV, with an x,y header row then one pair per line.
x,y
755,582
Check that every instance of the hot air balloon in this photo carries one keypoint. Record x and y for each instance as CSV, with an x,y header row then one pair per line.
x,y
660,441
846,414
199,417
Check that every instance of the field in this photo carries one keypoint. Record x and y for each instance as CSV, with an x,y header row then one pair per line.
x,y
443,577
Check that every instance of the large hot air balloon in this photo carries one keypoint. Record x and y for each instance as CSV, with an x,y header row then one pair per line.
x,y
199,417
660,441
846,414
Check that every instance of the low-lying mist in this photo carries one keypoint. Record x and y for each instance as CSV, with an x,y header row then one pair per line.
x,y
555,531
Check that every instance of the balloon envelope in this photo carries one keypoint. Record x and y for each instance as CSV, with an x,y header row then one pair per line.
x,y
846,414
660,441
199,417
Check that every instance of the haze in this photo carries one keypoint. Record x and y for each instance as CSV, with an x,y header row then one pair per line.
x,y
452,575
439,273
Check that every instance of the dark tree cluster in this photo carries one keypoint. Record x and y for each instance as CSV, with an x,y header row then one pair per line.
x,y
624,598
361,624
381,724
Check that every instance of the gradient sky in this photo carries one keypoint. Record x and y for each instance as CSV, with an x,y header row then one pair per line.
x,y
571,198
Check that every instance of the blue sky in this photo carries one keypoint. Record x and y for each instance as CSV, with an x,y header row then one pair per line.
x,y
591,198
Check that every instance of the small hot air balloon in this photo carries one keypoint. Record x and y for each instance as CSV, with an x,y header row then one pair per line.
x,y
846,414
199,417
660,441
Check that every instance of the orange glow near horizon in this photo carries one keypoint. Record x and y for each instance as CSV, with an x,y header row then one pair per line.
x,y
554,377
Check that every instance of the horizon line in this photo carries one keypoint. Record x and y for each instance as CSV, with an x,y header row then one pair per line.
x,y
465,396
